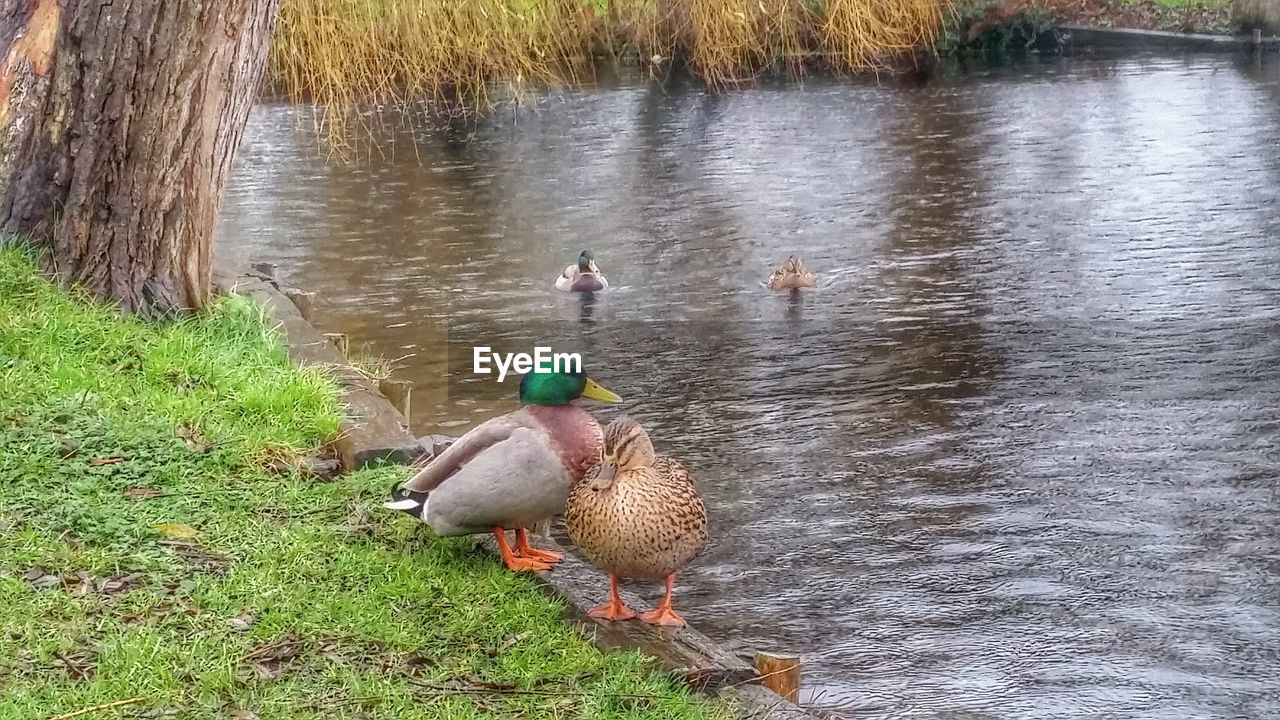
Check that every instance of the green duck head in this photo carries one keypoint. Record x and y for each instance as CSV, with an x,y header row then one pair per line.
x,y
587,262
561,388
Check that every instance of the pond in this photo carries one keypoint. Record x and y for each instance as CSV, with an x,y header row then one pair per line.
x,y
1015,457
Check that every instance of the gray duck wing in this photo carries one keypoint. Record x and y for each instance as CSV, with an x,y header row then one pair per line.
x,y
478,439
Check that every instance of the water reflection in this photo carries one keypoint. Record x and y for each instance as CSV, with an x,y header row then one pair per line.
x,y
1013,458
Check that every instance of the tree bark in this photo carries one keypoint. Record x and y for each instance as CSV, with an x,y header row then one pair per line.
x,y
119,120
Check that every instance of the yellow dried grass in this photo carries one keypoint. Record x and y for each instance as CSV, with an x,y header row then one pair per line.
x,y
342,53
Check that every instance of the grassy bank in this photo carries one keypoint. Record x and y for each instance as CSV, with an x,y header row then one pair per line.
x,y
1200,16
1000,28
161,546
341,52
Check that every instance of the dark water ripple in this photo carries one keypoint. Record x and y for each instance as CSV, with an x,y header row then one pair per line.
x,y
1017,457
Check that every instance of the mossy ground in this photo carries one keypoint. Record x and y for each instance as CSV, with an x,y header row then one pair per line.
x,y
157,545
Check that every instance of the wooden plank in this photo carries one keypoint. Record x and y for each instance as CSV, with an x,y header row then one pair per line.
x,y
780,673
760,703
685,651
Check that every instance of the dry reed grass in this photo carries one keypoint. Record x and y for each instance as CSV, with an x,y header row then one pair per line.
x,y
343,53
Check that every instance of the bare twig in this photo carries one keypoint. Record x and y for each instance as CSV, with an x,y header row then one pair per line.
x,y
757,678
95,708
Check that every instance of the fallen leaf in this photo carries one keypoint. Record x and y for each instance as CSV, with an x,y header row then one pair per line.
x,y
71,540
242,622
277,466
159,610
122,583
142,493
472,683
329,651
177,530
46,581
415,662
269,659
321,469
511,641
284,648
79,665
40,579
360,520
269,670
243,715
193,438
99,462
200,557
80,584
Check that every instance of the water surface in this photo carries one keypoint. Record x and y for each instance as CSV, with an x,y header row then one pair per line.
x,y
1015,458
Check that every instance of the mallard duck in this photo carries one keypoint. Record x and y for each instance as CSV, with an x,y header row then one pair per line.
x,y
583,277
636,514
513,471
791,275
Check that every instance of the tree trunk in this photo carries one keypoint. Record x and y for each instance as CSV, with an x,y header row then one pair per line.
x,y
119,120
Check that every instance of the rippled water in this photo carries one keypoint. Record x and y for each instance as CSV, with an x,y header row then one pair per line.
x,y
1015,458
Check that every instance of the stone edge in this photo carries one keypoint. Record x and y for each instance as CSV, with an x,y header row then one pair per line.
x,y
373,431
1104,38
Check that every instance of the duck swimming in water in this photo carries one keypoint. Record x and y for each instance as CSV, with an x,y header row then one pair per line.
x,y
791,275
513,471
583,277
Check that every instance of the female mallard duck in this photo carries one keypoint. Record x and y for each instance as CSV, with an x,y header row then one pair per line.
x,y
512,471
636,515
583,277
791,275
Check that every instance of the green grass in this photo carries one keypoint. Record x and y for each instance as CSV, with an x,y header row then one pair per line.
x,y
296,599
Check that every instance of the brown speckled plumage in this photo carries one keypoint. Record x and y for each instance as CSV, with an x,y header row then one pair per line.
x,y
791,275
648,522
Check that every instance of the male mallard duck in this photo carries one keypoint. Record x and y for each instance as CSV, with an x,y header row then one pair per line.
x,y
512,471
583,277
636,515
792,275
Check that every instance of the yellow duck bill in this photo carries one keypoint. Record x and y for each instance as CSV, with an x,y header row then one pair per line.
x,y
596,392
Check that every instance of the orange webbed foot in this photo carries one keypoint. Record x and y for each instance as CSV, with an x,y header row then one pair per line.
x,y
663,615
615,610
513,562
524,549
525,564
612,611
550,557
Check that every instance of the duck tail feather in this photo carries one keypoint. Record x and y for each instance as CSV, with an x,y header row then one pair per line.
x,y
405,500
